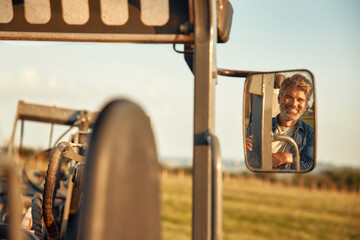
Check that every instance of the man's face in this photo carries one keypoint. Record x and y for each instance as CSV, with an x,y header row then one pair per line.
x,y
292,103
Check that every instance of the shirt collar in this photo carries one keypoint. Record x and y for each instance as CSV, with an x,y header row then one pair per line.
x,y
299,124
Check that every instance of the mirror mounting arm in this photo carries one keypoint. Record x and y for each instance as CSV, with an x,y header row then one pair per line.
x,y
234,73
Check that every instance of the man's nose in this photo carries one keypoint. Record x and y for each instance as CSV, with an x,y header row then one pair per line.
x,y
293,102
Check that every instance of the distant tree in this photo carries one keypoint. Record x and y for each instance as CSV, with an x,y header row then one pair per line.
x,y
343,178
269,177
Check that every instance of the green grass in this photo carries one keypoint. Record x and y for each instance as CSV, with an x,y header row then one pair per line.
x,y
309,120
253,210
176,196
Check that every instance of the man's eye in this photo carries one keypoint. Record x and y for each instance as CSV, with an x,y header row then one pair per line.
x,y
300,100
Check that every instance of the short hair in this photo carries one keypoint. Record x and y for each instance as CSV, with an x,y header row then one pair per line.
x,y
300,81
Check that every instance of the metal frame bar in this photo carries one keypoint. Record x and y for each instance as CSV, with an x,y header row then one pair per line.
x,y
205,73
46,114
21,136
98,37
68,196
94,29
234,73
266,130
216,196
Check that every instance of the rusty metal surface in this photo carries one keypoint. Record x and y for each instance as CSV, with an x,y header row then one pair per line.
x,y
155,12
47,114
114,12
53,115
37,11
145,21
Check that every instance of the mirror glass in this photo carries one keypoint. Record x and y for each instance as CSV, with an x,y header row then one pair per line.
x,y
279,121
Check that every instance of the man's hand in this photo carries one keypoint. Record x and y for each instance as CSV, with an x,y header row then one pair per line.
x,y
281,158
249,143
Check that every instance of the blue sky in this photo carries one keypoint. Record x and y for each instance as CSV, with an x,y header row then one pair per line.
x,y
322,36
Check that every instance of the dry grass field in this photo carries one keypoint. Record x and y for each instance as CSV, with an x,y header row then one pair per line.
x,y
253,210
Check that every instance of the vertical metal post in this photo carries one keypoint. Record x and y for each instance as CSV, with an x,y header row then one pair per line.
x,y
12,140
266,138
254,88
205,72
256,161
51,134
216,222
21,136
75,194
13,200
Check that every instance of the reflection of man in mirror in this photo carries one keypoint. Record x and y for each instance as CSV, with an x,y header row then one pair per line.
x,y
293,98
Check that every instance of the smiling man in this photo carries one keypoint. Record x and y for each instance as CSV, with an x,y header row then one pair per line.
x,y
294,94
293,98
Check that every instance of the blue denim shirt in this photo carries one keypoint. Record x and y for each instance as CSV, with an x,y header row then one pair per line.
x,y
304,137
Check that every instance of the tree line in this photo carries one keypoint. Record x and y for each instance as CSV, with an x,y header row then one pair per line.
x,y
330,178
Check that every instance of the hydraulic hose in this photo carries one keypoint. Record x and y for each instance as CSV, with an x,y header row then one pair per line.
x,y
36,215
36,186
49,188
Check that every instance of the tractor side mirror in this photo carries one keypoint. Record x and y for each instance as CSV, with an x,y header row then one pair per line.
x,y
279,121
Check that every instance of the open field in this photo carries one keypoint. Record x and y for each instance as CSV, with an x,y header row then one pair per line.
x,y
254,210
309,120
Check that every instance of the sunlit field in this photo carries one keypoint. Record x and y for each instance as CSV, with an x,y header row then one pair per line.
x,y
256,210
309,120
